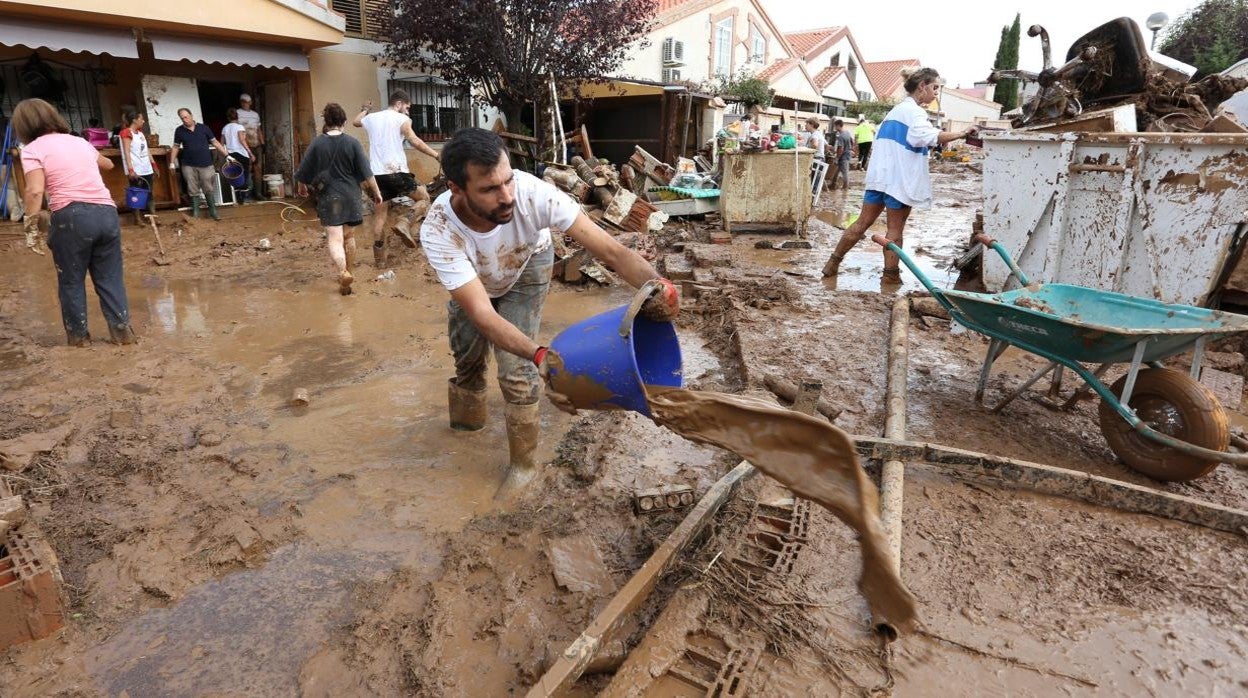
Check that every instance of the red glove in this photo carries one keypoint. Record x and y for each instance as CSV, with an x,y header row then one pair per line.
x,y
665,305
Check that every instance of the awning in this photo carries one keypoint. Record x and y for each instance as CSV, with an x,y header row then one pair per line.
x,y
32,33
166,47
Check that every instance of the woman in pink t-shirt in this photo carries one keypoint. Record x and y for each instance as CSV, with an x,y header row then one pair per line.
x,y
85,235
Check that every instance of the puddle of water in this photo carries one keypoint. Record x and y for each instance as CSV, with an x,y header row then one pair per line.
x,y
934,238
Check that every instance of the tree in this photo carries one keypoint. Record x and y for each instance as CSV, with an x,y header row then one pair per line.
x,y
1212,36
744,87
1006,93
875,110
510,50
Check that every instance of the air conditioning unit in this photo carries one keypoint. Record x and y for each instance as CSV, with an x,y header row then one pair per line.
x,y
673,52
671,75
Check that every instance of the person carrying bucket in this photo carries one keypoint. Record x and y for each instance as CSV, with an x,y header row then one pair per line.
x,y
194,143
138,159
235,136
489,240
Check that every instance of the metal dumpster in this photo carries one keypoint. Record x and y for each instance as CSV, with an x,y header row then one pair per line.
x,y
1149,214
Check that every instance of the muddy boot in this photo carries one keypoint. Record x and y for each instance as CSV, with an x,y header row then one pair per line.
x,y
523,427
891,275
833,267
122,334
212,209
345,279
76,340
196,202
467,407
379,254
403,228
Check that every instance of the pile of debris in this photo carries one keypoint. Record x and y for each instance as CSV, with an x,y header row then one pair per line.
x,y
613,198
1112,82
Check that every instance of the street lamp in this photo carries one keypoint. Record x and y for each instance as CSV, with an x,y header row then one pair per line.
x,y
1155,22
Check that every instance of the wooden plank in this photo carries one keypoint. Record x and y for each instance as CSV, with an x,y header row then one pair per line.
x,y
569,666
1060,482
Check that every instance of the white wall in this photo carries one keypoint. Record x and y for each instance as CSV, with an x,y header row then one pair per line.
x,y
963,111
697,33
794,84
846,49
841,88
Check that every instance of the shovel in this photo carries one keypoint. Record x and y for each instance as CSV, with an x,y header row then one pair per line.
x,y
160,261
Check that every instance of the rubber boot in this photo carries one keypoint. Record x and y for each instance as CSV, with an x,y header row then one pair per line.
x,y
75,340
212,209
523,428
196,202
122,334
467,407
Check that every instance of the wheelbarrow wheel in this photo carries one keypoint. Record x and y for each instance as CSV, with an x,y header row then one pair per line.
x,y
1174,403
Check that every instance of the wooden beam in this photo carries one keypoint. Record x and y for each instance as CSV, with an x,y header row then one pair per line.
x,y
1059,482
569,666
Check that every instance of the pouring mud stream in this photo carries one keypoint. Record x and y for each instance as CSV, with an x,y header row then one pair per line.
x,y
617,360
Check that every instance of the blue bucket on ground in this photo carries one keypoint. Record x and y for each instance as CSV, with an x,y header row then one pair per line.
x,y
234,174
602,369
137,196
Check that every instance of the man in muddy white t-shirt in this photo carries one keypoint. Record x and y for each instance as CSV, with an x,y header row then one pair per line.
x,y
488,239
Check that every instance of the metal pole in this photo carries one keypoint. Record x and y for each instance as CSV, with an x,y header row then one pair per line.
x,y
893,473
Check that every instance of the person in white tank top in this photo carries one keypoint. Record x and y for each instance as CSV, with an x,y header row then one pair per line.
x,y
387,129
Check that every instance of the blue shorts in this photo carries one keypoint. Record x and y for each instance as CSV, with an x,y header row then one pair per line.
x,y
871,196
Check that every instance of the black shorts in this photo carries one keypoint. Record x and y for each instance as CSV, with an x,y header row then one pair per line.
x,y
398,184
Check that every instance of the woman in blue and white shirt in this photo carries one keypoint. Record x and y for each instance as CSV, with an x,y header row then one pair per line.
x,y
897,176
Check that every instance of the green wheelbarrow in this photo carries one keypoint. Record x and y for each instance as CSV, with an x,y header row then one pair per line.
x,y
1159,421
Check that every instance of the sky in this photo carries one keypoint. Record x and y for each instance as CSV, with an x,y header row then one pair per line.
x,y
961,42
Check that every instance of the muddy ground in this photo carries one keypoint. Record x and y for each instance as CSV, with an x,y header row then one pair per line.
x,y
217,541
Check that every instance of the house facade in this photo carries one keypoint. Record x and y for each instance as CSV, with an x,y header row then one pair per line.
x,y
832,57
94,58
963,108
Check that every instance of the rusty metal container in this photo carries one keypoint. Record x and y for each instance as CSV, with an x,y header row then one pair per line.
x,y
766,189
1149,214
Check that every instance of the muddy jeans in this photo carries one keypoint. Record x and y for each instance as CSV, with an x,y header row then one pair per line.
x,y
87,237
522,307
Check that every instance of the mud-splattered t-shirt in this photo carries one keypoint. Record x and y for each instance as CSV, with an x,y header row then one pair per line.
x,y
459,254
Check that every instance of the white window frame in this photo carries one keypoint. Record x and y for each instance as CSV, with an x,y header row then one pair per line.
x,y
723,46
758,46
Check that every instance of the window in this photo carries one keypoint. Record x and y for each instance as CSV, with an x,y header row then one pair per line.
x,y
438,108
836,59
723,47
369,19
72,90
758,46
852,69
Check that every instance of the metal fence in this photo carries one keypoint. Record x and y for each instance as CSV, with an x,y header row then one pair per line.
x,y
73,91
438,108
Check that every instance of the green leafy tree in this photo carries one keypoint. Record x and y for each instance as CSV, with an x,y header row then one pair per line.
x,y
875,109
1211,36
744,87
1006,93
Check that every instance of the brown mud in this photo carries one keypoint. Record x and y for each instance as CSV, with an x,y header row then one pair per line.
x,y
809,456
217,540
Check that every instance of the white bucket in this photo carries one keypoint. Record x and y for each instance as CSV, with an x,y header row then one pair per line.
x,y
274,186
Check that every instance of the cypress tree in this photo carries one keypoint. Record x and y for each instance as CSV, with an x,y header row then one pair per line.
x,y
1006,93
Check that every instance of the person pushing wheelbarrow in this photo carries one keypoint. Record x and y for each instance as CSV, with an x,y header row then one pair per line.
x,y
489,240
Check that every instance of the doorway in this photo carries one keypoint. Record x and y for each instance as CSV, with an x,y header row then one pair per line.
x,y
215,98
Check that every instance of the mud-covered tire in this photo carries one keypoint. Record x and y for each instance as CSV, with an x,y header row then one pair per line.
x,y
1173,403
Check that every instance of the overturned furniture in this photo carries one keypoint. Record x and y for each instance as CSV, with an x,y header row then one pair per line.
x,y
769,189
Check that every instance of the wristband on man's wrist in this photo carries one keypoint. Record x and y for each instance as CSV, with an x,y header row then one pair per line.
x,y
539,355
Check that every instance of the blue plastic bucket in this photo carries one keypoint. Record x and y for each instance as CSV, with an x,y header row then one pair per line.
x,y
234,174
137,196
604,370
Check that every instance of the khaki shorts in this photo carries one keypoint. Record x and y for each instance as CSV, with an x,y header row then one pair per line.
x,y
200,180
